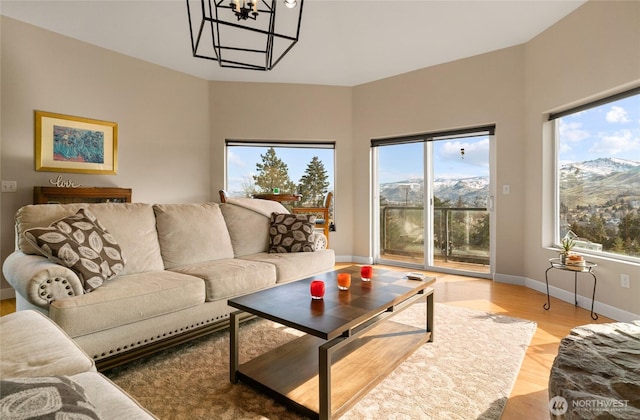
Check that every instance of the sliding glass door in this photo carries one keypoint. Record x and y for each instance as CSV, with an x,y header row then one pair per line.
x,y
401,195
438,187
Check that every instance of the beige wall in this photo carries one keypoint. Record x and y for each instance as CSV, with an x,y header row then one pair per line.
x,y
481,90
173,126
258,111
162,116
593,52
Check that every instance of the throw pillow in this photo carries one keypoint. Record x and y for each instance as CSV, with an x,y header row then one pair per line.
x,y
87,230
291,233
60,249
53,397
81,243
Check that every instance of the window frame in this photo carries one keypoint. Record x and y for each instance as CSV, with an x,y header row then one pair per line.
x,y
554,118
295,144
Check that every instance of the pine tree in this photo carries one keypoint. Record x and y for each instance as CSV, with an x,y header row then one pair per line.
x,y
273,173
314,183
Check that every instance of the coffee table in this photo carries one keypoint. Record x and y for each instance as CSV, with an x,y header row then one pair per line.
x,y
347,348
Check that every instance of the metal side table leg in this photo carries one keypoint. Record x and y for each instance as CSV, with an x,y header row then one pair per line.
x,y
547,305
593,297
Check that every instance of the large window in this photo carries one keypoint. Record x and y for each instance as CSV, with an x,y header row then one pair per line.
x,y
598,175
305,168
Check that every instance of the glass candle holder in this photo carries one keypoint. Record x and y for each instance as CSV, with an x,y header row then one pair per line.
x,y
344,281
317,289
366,272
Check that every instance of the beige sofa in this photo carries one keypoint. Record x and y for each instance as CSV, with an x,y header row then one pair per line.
x,y
183,261
44,372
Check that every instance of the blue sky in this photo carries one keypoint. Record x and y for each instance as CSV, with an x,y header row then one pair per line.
x,y
241,163
611,130
397,163
401,162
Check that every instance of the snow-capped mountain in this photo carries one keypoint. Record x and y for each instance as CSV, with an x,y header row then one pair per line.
x,y
593,169
599,181
590,182
471,191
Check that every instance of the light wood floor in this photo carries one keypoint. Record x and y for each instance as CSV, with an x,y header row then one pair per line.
x,y
529,398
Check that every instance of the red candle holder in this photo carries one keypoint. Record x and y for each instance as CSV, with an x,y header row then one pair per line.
x,y
366,272
317,289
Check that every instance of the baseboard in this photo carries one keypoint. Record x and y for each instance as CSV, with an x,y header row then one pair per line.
x,y
7,293
583,301
353,259
361,260
509,279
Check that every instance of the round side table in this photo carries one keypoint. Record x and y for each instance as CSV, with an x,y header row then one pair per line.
x,y
557,264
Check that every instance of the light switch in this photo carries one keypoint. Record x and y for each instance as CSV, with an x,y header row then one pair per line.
x,y
506,189
9,186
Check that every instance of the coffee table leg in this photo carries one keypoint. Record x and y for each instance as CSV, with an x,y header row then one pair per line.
x,y
429,311
234,325
324,380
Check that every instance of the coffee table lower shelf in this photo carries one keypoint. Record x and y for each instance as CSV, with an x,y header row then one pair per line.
x,y
289,373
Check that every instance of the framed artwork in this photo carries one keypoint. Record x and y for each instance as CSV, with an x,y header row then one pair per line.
x,y
65,143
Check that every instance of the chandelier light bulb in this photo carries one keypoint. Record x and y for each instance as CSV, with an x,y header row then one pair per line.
x,y
290,3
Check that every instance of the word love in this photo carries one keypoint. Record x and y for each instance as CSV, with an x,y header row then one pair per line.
x,y
59,182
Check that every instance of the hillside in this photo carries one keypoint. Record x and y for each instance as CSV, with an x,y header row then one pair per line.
x,y
593,182
599,181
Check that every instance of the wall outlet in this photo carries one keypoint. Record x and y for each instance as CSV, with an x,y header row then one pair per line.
x,y
624,280
9,186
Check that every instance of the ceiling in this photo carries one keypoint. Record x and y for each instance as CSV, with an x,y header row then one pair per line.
x,y
342,42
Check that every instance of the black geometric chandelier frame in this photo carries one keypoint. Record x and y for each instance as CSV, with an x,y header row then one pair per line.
x,y
240,36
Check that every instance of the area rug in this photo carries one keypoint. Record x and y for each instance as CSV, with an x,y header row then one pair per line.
x,y
467,372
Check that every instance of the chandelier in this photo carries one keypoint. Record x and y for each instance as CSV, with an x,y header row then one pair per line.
x,y
243,34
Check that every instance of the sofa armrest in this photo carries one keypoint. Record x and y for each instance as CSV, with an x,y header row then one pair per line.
x,y
40,281
320,241
33,345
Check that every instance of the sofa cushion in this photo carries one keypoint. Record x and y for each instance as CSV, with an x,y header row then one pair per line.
x,y
248,223
192,233
110,401
133,224
297,265
292,233
81,243
32,345
231,277
45,397
127,299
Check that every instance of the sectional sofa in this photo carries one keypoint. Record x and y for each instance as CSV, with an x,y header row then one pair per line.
x,y
44,374
148,276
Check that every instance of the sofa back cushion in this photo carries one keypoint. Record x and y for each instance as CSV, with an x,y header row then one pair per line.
x,y
192,233
133,226
248,221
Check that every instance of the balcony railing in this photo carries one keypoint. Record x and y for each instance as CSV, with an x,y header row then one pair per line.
x,y
460,234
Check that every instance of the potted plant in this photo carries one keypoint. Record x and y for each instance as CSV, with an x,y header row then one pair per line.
x,y
567,245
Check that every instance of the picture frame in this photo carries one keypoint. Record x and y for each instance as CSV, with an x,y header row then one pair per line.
x,y
65,143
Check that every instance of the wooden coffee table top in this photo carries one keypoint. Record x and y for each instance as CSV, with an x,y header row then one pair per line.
x,y
291,304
